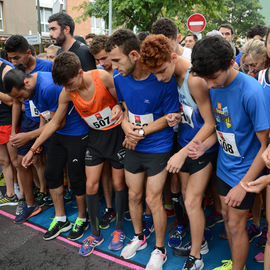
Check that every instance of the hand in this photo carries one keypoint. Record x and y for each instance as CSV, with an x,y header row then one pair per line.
x,y
131,132
128,144
27,159
19,139
117,114
266,156
176,162
173,119
235,196
256,186
196,149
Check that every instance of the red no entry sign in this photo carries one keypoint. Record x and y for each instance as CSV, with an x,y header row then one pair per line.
x,y
196,23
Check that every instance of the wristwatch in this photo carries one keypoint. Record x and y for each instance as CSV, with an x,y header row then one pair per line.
x,y
141,132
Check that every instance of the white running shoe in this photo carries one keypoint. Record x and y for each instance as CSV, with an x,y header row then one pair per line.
x,y
131,248
157,260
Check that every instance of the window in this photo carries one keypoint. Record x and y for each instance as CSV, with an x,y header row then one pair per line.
x,y
1,16
45,13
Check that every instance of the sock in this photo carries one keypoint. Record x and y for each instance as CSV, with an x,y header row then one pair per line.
x,y
120,202
162,249
147,218
92,202
168,206
62,219
140,236
179,211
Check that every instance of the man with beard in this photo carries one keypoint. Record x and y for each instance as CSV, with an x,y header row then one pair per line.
x,y
61,27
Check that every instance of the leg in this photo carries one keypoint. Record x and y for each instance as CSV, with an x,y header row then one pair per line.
x,y
135,183
93,174
154,188
120,196
107,184
7,170
267,246
236,230
196,185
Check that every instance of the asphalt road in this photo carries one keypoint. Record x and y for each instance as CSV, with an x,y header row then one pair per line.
x,y
22,248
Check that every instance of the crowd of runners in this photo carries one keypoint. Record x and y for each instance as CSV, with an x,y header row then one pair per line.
x,y
155,124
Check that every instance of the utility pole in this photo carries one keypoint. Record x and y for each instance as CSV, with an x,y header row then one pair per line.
x,y
39,26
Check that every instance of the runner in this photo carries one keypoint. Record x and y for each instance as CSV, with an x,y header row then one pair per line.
x,y
6,102
148,138
197,123
104,142
19,51
242,129
40,89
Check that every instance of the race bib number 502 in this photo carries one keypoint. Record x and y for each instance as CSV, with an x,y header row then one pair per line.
x,y
228,143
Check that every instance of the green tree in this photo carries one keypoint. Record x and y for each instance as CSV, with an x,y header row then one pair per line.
x,y
142,13
242,14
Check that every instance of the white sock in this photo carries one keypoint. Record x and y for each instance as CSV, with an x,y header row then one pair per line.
x,y
83,219
62,219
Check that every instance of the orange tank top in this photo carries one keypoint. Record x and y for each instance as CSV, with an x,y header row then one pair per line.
x,y
97,112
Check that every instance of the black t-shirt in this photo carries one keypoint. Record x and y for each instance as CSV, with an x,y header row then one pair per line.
x,y
82,51
5,110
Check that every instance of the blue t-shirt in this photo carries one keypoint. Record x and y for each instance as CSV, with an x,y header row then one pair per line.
x,y
30,110
75,125
148,100
240,111
46,93
46,99
237,58
6,62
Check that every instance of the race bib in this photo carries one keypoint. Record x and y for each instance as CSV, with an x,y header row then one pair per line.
x,y
33,109
100,119
46,115
228,143
186,114
140,120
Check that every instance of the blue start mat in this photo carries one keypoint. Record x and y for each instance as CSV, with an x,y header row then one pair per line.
x,y
218,248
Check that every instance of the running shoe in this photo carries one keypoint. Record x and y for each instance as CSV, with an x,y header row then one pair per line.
x,y
185,250
40,199
259,258
263,238
78,229
56,228
193,263
127,216
5,200
19,208
253,232
48,200
69,195
226,265
157,260
148,228
26,213
208,235
213,219
175,240
131,248
89,244
117,241
108,216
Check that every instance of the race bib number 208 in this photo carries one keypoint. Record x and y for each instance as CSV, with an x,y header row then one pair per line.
x,y
228,143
